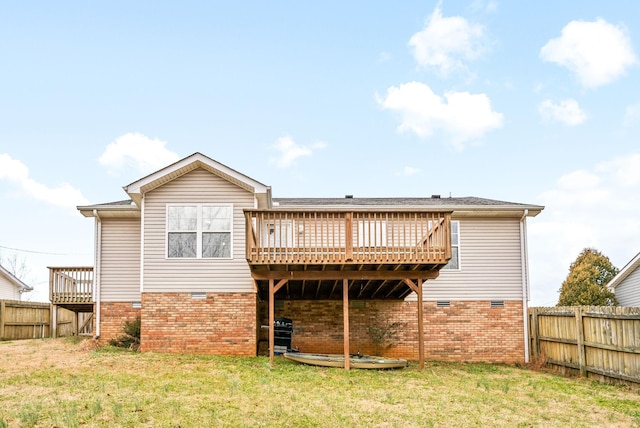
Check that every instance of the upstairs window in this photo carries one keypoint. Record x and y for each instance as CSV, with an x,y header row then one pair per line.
x,y
454,263
199,231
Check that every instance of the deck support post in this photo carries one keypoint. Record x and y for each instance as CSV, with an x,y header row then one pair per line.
x,y
271,322
77,324
54,321
348,236
420,325
345,311
418,290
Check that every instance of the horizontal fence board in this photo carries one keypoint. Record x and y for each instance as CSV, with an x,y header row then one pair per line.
x,y
601,340
30,320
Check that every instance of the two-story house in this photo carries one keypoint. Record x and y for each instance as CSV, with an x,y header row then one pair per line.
x,y
207,258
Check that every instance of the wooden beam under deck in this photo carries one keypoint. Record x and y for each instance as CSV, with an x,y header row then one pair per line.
x,y
298,275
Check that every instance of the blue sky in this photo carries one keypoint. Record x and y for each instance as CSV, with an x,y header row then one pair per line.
x,y
496,99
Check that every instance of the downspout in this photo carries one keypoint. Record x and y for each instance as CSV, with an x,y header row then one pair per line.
x,y
96,276
524,256
142,245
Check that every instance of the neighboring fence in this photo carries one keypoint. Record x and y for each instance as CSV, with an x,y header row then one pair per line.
x,y
590,340
31,320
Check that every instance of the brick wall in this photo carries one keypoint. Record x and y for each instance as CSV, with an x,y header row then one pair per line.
x,y
465,331
112,318
220,324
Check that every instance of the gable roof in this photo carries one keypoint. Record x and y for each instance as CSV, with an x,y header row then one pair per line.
x,y
625,272
467,204
15,281
188,164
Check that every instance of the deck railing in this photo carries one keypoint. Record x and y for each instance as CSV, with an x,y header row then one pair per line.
x,y
339,236
70,285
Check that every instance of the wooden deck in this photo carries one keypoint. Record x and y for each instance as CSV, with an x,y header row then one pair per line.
x,y
347,237
71,288
375,250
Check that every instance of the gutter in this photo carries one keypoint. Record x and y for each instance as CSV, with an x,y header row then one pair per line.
x,y
96,276
524,257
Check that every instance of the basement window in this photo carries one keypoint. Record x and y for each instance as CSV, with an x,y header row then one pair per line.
x,y
136,305
443,304
198,296
497,303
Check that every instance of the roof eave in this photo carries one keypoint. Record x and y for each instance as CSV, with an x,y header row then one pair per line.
x,y
507,210
625,272
137,189
109,211
16,281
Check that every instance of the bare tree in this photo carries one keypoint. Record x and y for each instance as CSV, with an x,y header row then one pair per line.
x,y
17,265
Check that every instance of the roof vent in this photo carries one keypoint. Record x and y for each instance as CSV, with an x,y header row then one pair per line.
x,y
435,196
348,196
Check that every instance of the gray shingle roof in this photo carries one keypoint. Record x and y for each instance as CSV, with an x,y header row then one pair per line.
x,y
125,202
467,201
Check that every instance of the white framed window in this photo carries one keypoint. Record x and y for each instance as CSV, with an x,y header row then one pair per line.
x,y
199,231
454,263
278,233
372,233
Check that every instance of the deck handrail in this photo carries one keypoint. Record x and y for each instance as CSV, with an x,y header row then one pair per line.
x,y
342,236
68,285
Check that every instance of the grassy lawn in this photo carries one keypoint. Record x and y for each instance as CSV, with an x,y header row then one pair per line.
x,y
65,383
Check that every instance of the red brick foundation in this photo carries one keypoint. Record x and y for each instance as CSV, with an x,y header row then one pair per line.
x,y
220,324
112,318
466,331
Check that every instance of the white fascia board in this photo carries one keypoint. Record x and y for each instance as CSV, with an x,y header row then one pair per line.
x,y
462,210
15,281
135,187
625,272
109,210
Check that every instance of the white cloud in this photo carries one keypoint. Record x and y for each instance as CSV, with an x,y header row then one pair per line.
x,y
409,171
289,151
596,208
461,116
566,111
482,6
597,52
445,44
64,195
140,151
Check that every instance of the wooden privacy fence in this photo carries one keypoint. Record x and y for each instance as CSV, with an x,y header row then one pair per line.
x,y
31,320
590,339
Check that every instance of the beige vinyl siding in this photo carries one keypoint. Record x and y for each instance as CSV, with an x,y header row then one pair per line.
x,y
490,263
628,291
120,263
162,274
8,290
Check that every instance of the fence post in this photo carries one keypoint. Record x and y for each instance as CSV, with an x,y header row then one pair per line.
x,y
533,323
3,309
580,341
